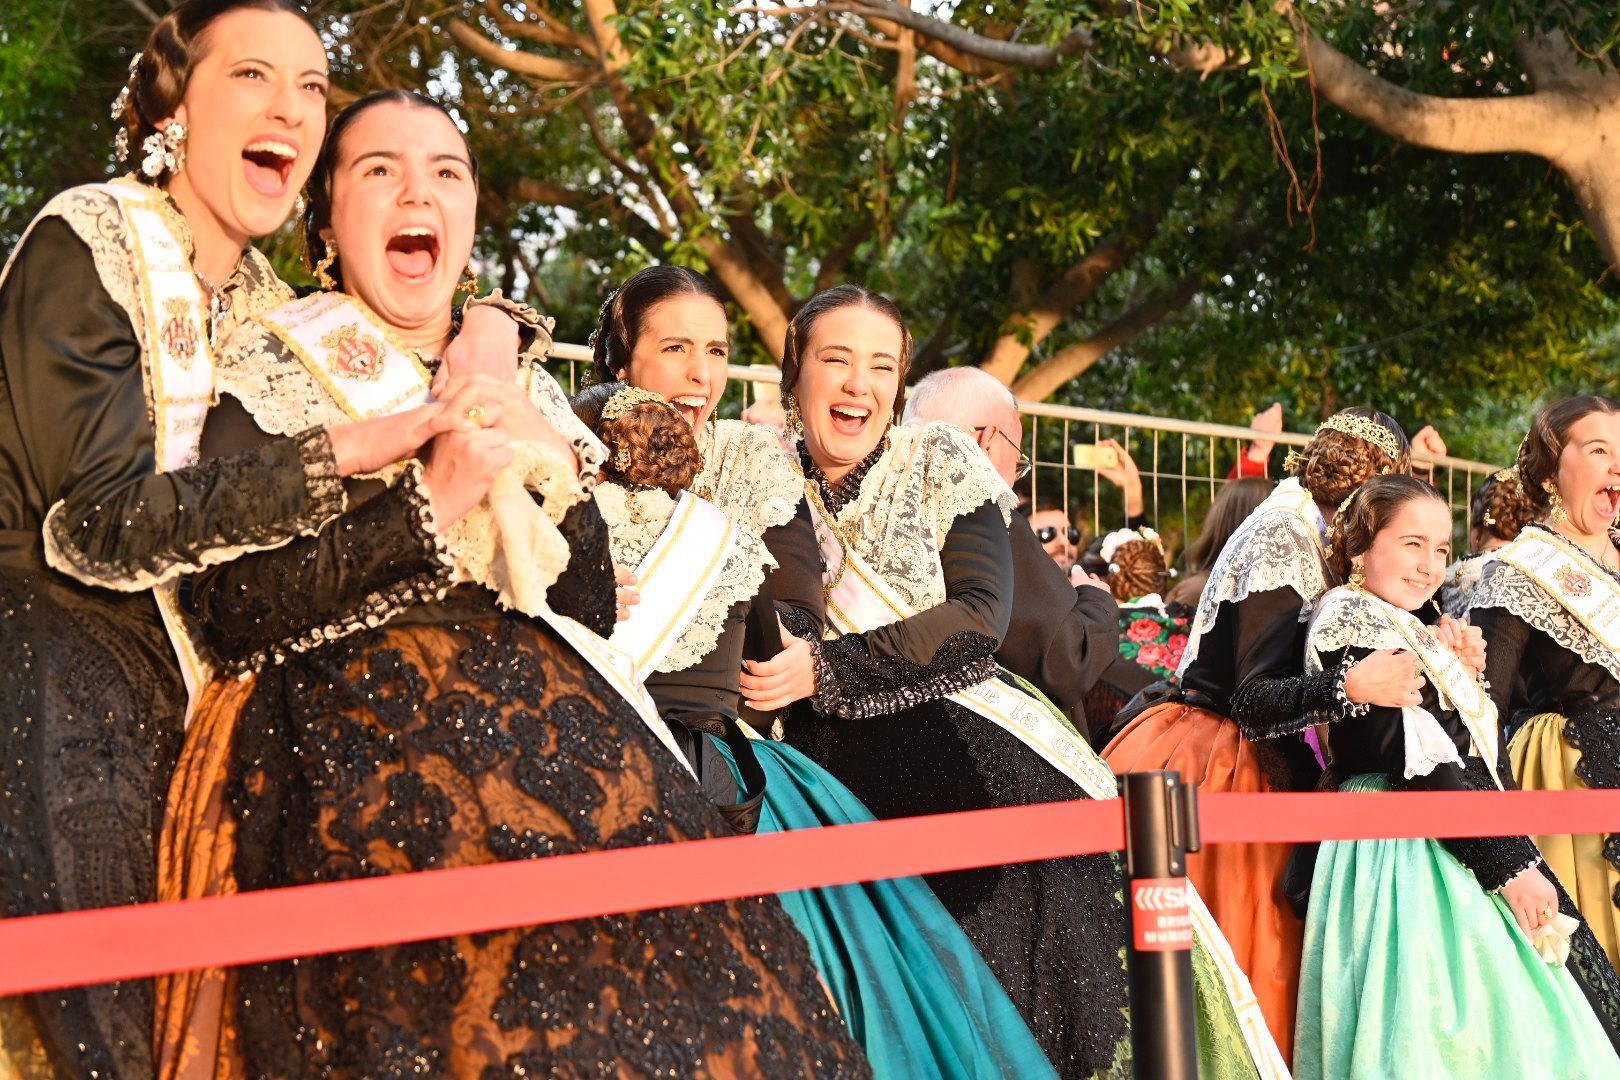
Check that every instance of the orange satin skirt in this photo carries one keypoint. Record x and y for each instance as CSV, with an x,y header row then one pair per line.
x,y
1240,883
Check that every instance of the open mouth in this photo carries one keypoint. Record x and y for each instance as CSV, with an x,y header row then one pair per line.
x,y
413,252
1607,502
850,419
690,406
269,165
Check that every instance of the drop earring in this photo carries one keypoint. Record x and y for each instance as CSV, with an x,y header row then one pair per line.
x,y
469,281
792,421
1556,511
323,269
1358,580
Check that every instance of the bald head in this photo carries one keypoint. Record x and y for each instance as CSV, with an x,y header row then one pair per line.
x,y
971,399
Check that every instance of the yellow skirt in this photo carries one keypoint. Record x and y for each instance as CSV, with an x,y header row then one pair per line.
x,y
1543,760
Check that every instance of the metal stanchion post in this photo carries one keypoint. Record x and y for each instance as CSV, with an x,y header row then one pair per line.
x,y
1161,826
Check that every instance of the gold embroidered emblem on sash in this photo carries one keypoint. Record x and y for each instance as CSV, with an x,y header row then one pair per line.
x,y
1573,581
353,355
178,334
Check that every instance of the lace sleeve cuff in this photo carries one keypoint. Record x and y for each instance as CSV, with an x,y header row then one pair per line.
x,y
202,515
1272,708
854,685
1494,875
1344,706
533,328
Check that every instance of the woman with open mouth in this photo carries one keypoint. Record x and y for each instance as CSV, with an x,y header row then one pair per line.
x,y
898,694
910,986
1459,957
110,313
1548,604
417,696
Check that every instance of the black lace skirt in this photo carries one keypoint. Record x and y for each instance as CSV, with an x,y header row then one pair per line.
x,y
94,711
1053,932
424,746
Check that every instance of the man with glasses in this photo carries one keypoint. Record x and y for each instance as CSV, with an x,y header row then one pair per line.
x,y
1062,636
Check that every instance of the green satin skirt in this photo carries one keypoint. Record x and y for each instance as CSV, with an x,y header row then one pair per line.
x,y
1412,970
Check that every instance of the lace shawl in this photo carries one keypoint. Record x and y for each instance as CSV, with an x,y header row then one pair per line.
x,y
1278,546
747,474
501,543
930,475
636,519
1505,586
1462,578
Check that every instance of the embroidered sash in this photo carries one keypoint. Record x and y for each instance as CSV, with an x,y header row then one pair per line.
x,y
177,362
673,579
369,373
860,600
1565,573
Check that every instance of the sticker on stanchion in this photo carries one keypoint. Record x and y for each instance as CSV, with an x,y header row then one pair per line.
x,y
1160,921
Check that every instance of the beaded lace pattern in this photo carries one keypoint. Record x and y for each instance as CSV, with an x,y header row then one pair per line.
x,y
1278,546
636,519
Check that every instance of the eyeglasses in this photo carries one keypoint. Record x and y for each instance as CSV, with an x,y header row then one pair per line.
x,y
1024,464
1048,533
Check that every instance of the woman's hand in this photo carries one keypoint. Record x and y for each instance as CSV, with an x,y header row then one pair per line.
x,y
1127,477
768,685
504,404
364,446
625,593
1531,898
1467,642
1388,678
460,468
487,345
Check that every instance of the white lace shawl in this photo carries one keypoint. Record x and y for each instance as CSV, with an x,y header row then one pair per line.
x,y
748,474
636,519
1462,578
501,543
1279,545
930,475
1344,617
1503,585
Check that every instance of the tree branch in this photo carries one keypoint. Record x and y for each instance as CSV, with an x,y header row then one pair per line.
x,y
1535,123
1021,332
516,60
1070,362
962,40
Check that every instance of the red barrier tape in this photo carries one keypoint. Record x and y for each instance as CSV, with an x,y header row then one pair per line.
x,y
78,948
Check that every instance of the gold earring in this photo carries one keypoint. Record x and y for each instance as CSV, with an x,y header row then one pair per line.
x,y
792,421
323,268
469,281
1556,512
1358,580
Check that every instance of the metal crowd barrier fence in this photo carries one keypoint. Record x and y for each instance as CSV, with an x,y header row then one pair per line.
x,y
1183,463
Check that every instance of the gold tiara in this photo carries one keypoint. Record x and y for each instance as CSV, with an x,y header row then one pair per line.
x,y
1365,429
1507,475
624,402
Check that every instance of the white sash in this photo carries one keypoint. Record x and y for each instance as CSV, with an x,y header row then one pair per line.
x,y
1565,573
1454,680
178,363
351,354
369,373
673,579
861,600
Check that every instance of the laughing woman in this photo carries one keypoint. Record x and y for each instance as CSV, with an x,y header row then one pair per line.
x,y
1549,606
908,982
110,311
398,717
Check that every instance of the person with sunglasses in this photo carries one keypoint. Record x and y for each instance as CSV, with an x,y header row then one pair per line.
x,y
1053,528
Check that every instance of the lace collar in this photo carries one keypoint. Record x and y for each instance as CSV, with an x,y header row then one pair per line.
x,y
749,474
838,495
1503,585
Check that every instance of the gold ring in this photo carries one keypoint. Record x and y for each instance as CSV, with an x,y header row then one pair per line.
x,y
1548,913
478,415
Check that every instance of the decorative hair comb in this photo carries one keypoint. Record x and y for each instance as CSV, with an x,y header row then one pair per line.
x,y
1362,428
623,402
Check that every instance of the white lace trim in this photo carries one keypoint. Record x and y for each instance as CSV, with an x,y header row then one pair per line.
x,y
930,475
1278,546
748,474
636,519
1506,586
508,543
1462,578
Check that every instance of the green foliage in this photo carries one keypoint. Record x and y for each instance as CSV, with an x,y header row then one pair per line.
x,y
1448,289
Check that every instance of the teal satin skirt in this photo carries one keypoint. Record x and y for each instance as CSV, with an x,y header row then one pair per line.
x,y
1412,970
915,993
